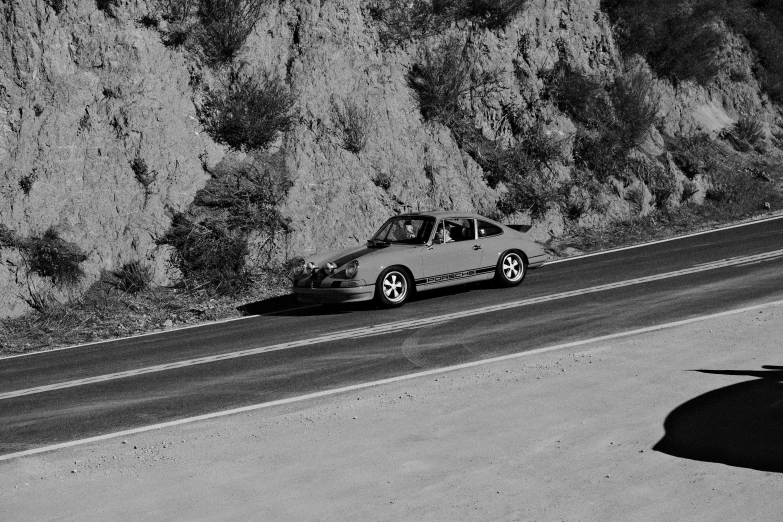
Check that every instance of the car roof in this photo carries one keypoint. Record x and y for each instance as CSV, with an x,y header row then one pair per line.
x,y
444,214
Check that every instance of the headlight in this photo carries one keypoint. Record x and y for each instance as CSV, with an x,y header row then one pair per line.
x,y
329,268
297,267
352,269
309,267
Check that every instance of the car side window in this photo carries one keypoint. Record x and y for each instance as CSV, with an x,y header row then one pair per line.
x,y
486,229
460,229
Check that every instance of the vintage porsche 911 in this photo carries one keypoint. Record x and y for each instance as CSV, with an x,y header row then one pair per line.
x,y
417,252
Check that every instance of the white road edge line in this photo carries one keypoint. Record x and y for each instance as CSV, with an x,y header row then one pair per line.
x,y
381,382
659,241
386,328
575,258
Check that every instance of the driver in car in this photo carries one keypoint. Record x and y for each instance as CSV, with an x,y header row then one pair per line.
x,y
409,230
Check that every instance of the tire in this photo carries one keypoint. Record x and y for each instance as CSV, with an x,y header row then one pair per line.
x,y
393,287
511,269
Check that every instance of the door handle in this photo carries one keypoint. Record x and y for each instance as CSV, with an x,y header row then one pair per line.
x,y
476,247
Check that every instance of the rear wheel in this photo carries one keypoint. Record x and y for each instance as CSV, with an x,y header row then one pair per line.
x,y
511,269
393,288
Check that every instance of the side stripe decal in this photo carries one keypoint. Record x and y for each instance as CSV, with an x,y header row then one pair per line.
x,y
453,276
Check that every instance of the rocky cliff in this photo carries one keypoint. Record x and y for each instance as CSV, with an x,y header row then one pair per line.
x,y
87,95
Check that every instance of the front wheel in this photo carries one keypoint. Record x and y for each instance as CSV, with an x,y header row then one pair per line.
x,y
511,269
392,288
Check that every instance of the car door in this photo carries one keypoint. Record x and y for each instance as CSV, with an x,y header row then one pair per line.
x,y
490,243
455,259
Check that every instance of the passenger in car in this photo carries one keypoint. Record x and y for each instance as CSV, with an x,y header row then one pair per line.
x,y
442,234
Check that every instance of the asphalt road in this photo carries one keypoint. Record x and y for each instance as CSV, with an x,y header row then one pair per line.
x,y
80,392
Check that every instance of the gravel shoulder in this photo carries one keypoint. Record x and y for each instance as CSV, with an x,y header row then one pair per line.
x,y
563,435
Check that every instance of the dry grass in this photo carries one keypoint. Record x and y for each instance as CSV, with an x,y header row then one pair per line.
x,y
743,195
355,123
106,312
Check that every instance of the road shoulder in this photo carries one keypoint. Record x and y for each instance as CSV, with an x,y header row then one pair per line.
x,y
564,435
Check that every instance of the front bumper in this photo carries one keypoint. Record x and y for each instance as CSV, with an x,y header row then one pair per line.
x,y
327,291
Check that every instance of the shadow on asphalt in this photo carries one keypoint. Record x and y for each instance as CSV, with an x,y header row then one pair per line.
x,y
739,425
280,303
288,306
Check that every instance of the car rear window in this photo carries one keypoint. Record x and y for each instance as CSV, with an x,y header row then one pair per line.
x,y
486,229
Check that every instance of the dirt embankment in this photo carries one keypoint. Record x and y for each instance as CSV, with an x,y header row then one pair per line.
x,y
556,436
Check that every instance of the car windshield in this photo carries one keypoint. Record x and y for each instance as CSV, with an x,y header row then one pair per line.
x,y
405,230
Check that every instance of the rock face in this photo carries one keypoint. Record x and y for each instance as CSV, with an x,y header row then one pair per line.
x,y
86,93
82,95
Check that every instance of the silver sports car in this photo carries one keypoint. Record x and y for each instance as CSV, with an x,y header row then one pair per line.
x,y
417,252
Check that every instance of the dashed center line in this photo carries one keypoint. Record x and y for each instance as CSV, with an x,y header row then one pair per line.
x,y
395,327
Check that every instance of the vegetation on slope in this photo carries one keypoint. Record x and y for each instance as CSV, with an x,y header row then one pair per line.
x,y
221,243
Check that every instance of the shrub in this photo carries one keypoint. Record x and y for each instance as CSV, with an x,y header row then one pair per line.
x,y
526,170
40,302
612,118
635,198
56,5
439,82
208,254
26,182
107,6
226,25
211,241
405,20
492,14
148,21
176,11
49,256
694,155
749,131
535,194
132,277
247,197
689,189
247,111
443,78
535,151
680,42
382,180
738,189
143,175
580,95
635,108
177,35
659,181
8,238
355,123
763,27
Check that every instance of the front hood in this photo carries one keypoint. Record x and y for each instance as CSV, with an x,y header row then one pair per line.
x,y
346,255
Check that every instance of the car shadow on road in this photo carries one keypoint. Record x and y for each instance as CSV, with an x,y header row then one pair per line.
x,y
740,425
272,305
288,306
